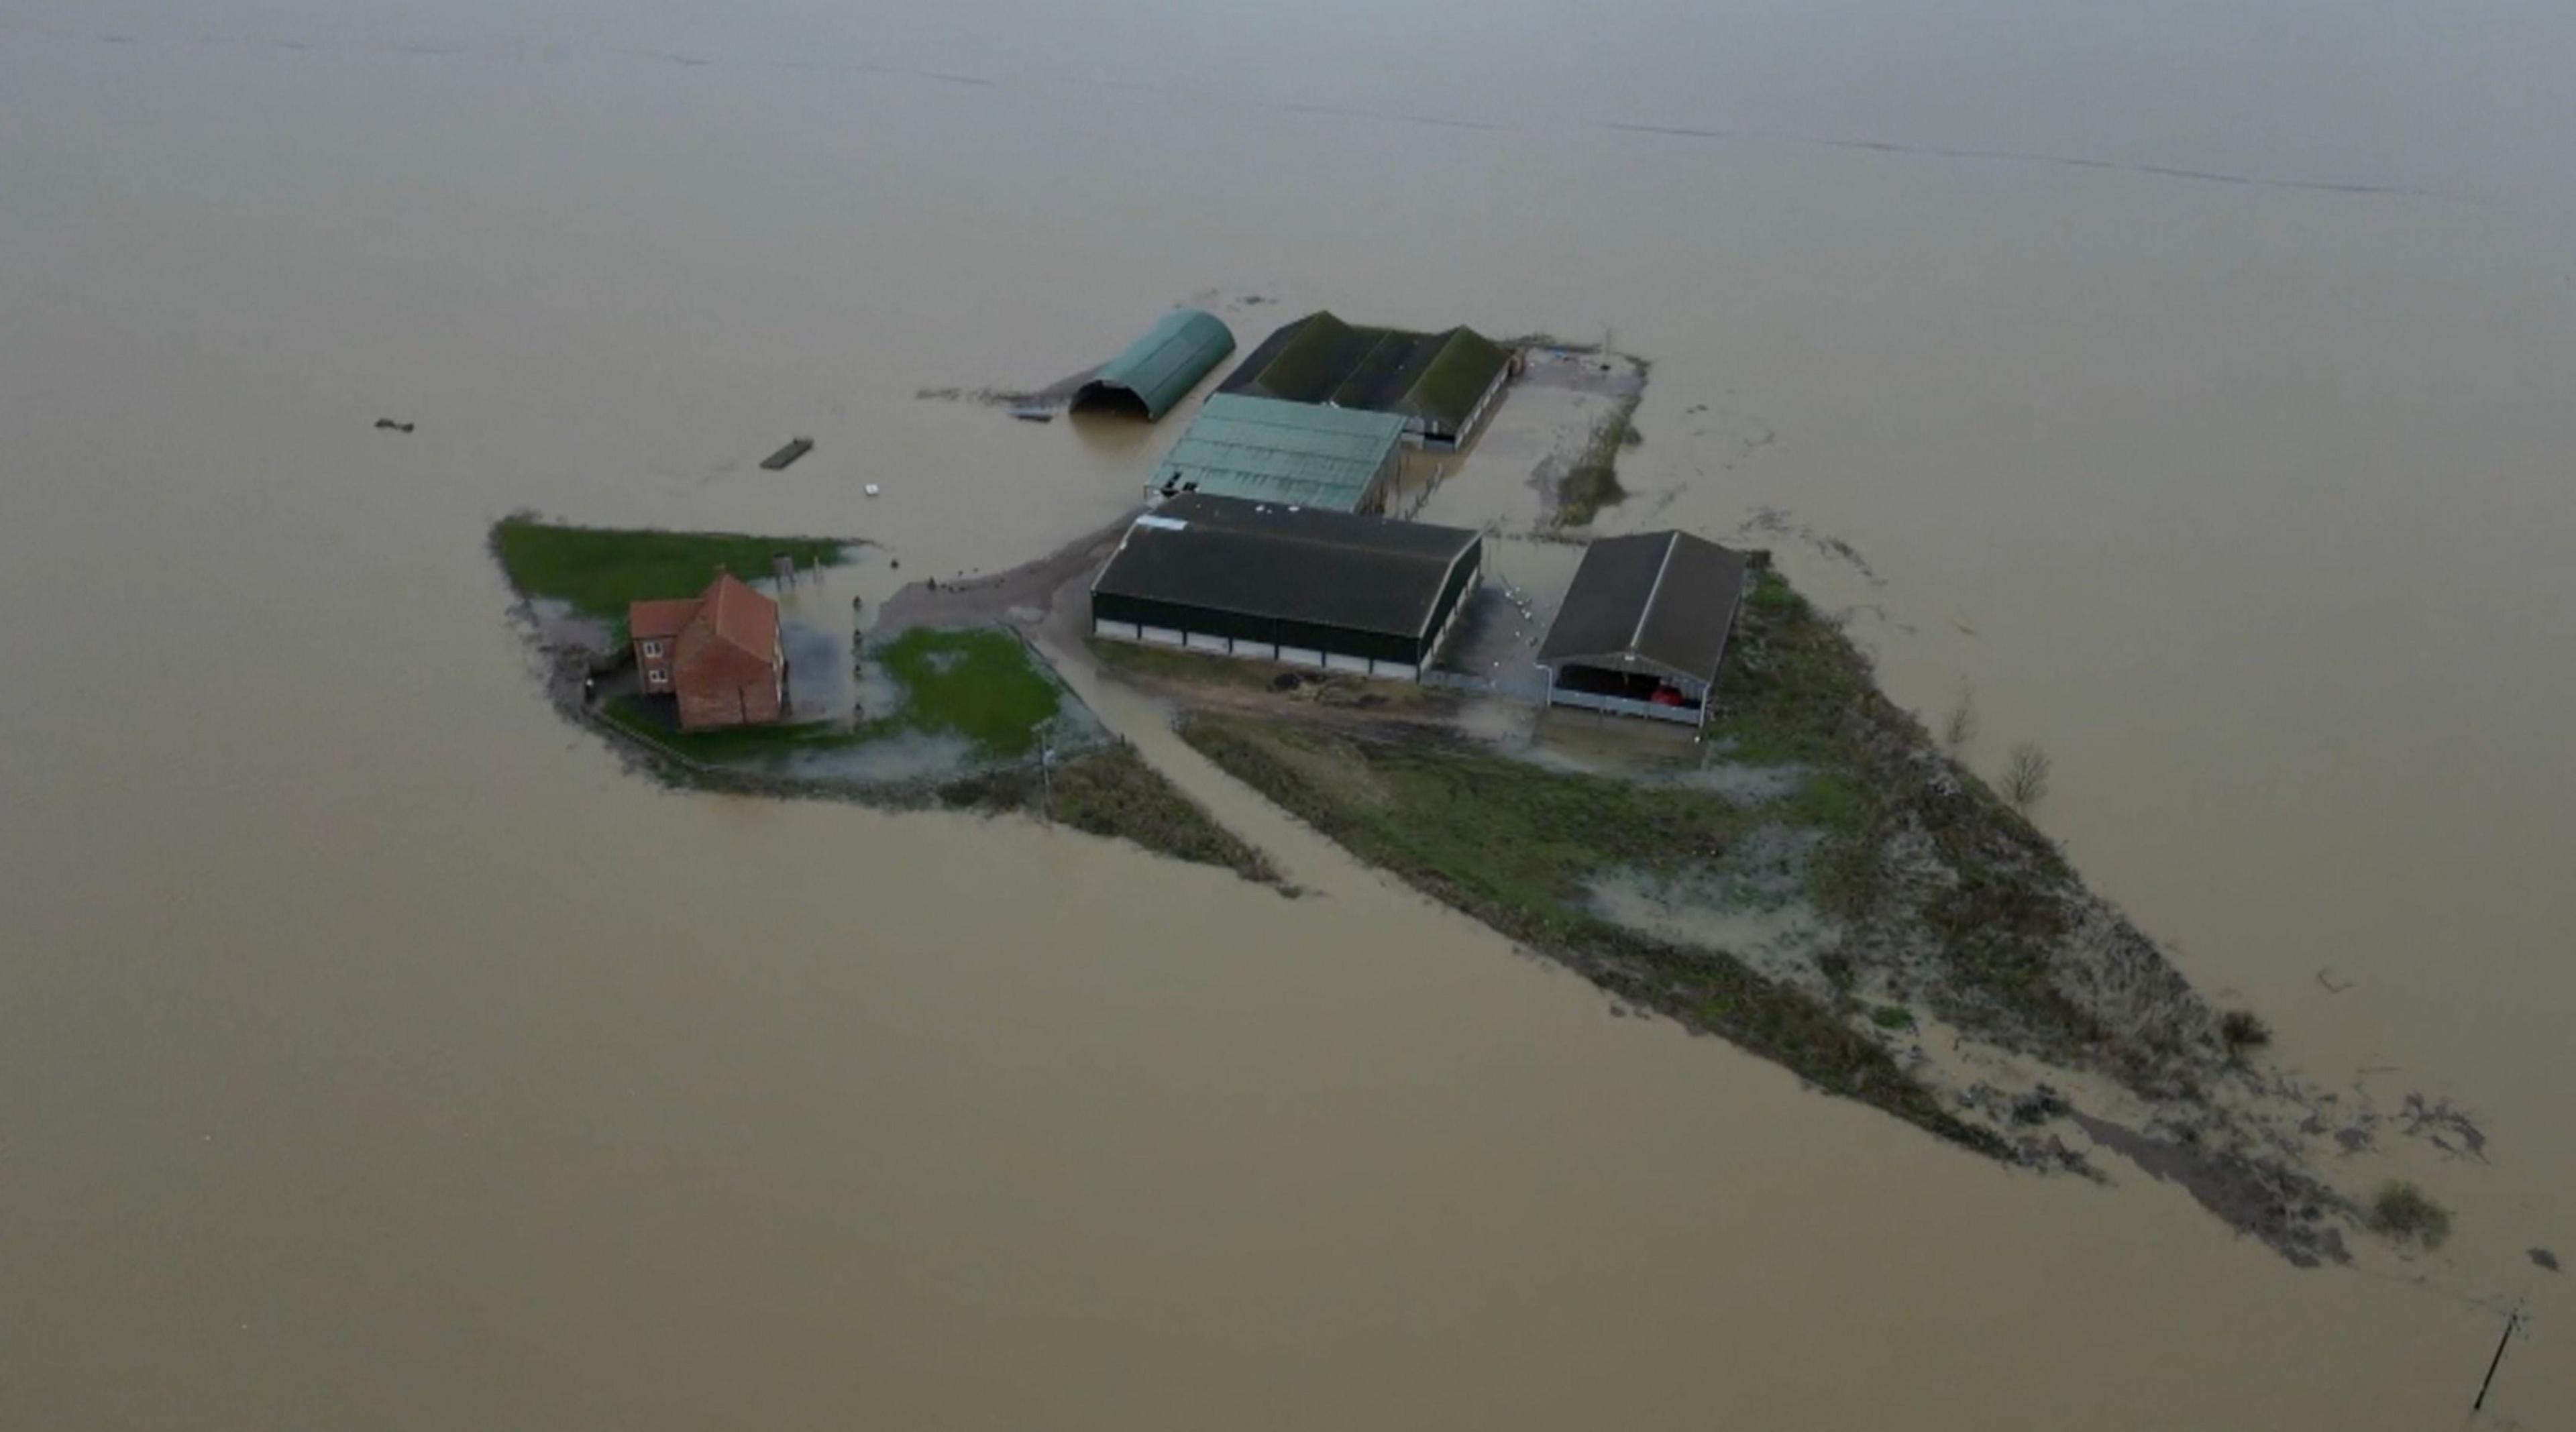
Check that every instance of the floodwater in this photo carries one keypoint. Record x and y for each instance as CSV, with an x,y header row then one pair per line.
x,y
2191,379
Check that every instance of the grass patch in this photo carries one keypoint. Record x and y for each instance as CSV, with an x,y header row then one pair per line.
x,y
1892,1016
2405,1213
597,571
1593,483
1514,845
1792,686
980,683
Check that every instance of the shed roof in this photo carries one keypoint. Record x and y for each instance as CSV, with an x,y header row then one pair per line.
x,y
1321,359
1159,369
1263,559
1664,598
1268,450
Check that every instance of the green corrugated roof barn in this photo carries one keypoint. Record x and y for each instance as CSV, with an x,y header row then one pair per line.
x,y
1266,450
1159,369
1443,383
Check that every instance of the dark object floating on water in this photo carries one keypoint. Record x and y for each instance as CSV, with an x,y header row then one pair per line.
x,y
1034,415
389,425
2545,1259
796,448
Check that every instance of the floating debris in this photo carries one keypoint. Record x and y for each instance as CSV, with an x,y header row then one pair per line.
x,y
2544,1258
871,489
796,448
1033,415
390,426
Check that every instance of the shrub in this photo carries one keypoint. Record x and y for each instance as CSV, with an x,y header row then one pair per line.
x,y
2403,1212
1960,727
2026,775
2243,1031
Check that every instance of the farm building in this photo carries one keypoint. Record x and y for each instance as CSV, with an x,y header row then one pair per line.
x,y
1264,450
1442,384
717,654
1643,628
1289,584
1159,369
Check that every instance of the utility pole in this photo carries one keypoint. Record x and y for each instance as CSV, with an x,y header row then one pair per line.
x,y
2512,1321
1046,770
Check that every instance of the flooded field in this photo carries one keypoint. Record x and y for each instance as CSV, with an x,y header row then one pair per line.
x,y
375,1051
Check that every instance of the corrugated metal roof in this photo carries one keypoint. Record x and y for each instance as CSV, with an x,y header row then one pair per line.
x,y
1438,377
1267,450
1161,368
1667,598
1335,569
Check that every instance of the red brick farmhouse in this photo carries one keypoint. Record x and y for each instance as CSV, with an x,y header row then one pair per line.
x,y
718,652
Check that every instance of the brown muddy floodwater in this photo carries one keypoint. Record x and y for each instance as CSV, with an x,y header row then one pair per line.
x,y
2193,381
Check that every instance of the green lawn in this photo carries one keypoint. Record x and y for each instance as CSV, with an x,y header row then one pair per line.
x,y
980,683
598,570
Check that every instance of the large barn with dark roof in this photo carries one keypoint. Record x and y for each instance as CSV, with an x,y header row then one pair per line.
x,y
1291,584
1643,629
1442,384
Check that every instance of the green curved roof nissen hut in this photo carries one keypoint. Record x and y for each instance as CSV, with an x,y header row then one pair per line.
x,y
1159,369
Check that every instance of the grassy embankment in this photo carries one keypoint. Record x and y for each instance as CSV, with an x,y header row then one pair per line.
x,y
597,571
1514,845
1518,846
1113,793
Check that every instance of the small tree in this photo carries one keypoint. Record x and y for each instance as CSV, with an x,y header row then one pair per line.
x,y
1961,726
2243,1031
2026,775
2404,1213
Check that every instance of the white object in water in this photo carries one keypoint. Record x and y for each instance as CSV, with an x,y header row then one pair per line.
x,y
872,489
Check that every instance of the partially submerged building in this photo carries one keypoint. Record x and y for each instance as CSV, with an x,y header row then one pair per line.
x,y
1442,384
1264,450
718,654
1159,369
1644,627
1292,584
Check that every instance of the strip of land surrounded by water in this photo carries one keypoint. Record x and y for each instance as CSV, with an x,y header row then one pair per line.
x,y
1812,876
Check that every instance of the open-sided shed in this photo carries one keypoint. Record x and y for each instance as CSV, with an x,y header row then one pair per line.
x,y
1159,369
1442,384
1290,584
1643,628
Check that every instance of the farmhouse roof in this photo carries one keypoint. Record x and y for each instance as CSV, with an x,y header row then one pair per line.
x,y
728,612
